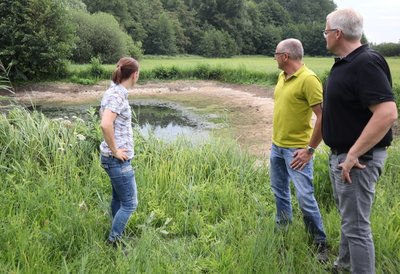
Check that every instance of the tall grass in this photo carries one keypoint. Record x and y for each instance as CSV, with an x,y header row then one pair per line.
x,y
5,83
241,75
202,208
260,70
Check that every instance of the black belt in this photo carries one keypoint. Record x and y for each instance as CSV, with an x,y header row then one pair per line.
x,y
366,156
337,151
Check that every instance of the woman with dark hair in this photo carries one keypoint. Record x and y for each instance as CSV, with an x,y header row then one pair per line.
x,y
117,146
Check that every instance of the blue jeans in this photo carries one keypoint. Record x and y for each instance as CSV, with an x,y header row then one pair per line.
x,y
124,193
280,175
354,201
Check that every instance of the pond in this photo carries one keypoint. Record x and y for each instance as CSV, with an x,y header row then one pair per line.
x,y
167,121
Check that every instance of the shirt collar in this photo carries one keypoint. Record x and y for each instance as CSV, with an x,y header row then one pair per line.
x,y
296,74
120,88
352,54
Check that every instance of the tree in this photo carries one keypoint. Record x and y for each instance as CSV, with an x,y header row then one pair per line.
x,y
161,39
74,4
99,35
388,49
217,43
118,8
36,36
312,39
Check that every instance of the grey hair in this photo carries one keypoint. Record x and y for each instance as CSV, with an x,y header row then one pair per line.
x,y
349,21
293,47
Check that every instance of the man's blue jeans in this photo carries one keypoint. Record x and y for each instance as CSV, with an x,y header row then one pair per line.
x,y
124,193
280,174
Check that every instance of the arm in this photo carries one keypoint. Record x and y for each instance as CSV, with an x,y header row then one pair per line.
x,y
302,156
383,116
316,136
107,126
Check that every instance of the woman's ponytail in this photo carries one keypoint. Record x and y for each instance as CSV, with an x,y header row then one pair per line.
x,y
125,67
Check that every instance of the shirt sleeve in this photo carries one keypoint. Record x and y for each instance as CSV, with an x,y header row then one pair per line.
x,y
375,86
313,90
113,102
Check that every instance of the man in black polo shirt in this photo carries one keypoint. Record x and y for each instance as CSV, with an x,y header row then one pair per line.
x,y
358,112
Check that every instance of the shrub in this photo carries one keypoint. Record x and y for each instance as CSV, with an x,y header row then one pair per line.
x,y
388,49
96,70
37,37
99,35
217,43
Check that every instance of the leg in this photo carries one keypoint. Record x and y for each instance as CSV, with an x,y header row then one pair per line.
x,y
280,186
124,200
302,180
342,262
355,202
115,203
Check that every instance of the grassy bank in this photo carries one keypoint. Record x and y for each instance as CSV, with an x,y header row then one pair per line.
x,y
205,208
258,70
261,66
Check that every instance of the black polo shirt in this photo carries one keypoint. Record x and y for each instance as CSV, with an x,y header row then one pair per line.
x,y
355,82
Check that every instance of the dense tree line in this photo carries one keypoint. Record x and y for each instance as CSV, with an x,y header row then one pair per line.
x,y
218,27
39,36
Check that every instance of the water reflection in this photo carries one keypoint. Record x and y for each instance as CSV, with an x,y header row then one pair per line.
x,y
168,123
165,121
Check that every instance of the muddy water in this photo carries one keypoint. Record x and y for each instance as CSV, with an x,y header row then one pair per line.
x,y
164,120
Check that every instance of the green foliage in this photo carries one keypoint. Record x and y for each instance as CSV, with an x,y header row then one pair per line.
x,y
217,43
99,35
210,205
312,39
308,11
36,36
74,4
173,27
396,91
5,83
388,49
96,70
207,72
161,38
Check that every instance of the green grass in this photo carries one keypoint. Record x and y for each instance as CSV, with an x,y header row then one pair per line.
x,y
253,64
202,209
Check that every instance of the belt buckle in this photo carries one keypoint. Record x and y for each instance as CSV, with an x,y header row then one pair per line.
x,y
106,154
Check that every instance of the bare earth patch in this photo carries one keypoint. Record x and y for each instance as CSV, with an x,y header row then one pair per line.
x,y
248,108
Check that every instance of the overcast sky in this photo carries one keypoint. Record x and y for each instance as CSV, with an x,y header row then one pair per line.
x,y
381,18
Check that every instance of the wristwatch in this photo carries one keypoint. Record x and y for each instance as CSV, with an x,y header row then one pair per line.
x,y
310,150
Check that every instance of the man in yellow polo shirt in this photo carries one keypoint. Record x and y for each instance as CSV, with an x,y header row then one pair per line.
x,y
297,95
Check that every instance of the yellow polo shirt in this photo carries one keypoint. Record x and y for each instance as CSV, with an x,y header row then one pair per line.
x,y
293,99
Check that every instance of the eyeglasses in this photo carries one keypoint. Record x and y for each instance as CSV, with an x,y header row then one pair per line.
x,y
325,32
279,53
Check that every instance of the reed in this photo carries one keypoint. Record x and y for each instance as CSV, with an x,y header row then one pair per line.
x,y
202,208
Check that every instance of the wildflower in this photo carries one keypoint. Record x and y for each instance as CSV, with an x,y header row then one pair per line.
x,y
83,206
67,122
80,137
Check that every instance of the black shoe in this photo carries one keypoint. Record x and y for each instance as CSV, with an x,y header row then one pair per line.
x,y
118,244
322,253
113,244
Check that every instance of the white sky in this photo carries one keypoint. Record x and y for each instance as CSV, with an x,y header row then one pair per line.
x,y
381,18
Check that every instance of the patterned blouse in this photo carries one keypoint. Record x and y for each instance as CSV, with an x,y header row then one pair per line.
x,y
116,100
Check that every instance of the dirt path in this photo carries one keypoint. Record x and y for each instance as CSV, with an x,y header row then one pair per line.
x,y
247,108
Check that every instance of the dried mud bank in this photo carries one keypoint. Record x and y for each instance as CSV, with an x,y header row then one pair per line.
x,y
247,109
